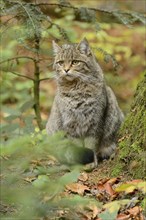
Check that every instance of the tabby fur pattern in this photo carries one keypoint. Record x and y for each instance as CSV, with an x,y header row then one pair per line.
x,y
84,106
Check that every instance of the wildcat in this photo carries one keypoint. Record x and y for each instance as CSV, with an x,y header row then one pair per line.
x,y
84,106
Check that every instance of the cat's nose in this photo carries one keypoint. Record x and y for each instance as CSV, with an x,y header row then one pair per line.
x,y
66,70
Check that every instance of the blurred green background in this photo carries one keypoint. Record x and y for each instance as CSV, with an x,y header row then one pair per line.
x,y
125,43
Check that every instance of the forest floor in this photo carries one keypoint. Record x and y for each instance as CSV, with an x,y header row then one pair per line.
x,y
105,197
120,198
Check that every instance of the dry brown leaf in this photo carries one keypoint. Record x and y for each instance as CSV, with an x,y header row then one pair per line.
x,y
107,186
90,212
113,180
103,181
77,188
134,211
123,217
83,177
109,189
142,217
95,210
100,187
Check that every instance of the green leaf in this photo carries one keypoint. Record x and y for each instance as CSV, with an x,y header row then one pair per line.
x,y
76,200
69,177
127,188
41,181
29,127
12,117
108,215
27,105
9,128
115,205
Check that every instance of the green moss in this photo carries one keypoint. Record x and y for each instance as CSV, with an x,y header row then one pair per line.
x,y
132,147
116,171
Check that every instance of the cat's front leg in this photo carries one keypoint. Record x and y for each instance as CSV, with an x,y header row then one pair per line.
x,y
54,122
92,143
95,159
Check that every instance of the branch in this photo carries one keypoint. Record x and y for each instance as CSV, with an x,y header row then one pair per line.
x,y
114,13
17,74
34,27
47,78
15,58
65,6
73,7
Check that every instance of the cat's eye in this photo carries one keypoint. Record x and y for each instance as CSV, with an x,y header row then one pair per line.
x,y
61,62
75,62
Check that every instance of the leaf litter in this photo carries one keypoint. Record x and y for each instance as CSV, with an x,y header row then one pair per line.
x,y
121,200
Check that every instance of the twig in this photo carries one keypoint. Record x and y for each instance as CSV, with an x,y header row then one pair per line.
x,y
47,78
16,58
17,74
34,27
65,6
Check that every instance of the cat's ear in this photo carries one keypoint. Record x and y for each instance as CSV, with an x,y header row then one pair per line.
x,y
84,47
56,48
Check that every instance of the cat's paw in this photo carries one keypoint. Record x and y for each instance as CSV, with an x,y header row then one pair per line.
x,y
89,167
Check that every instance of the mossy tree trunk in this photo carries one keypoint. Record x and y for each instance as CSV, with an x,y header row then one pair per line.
x,y
131,156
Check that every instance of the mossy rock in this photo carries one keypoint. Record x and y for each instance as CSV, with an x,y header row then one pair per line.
x,y
131,157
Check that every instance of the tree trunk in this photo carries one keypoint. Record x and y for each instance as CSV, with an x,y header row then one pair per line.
x,y
131,157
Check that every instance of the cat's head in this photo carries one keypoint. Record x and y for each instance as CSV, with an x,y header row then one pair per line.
x,y
75,61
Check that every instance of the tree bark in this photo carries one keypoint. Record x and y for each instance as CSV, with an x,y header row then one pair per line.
x,y
132,143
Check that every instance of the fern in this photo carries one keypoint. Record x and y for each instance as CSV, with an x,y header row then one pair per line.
x,y
64,2
108,57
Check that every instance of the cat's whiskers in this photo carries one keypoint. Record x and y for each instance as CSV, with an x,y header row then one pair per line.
x,y
85,78
76,75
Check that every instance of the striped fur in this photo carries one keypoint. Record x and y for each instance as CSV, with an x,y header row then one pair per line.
x,y
84,106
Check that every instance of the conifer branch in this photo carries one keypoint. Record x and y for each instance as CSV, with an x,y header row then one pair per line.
x,y
16,58
18,74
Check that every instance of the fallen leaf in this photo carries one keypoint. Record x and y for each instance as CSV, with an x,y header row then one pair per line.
x,y
83,177
134,211
108,215
113,180
109,189
129,187
102,181
126,187
123,217
115,205
77,188
95,210
141,217
135,181
112,206
100,187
